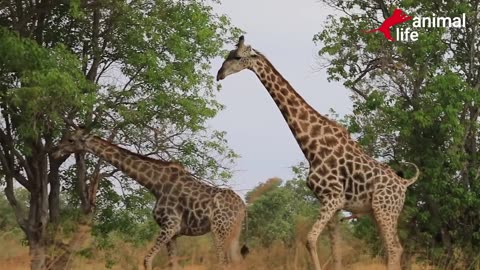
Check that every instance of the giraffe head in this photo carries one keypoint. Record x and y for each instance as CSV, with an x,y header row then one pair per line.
x,y
74,142
237,60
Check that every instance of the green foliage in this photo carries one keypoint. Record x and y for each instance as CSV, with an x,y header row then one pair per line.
x,y
129,215
417,101
32,77
7,217
136,72
275,210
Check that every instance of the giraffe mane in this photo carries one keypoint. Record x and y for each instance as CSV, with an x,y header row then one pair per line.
x,y
274,70
146,158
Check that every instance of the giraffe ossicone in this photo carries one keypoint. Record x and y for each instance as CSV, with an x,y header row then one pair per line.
x,y
342,175
184,204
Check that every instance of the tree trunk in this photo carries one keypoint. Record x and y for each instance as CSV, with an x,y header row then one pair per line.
x,y
38,255
78,240
87,194
37,228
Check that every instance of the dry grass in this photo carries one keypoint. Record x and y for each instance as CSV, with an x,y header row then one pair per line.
x,y
14,256
196,253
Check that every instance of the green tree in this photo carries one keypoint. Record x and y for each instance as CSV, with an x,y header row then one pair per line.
x,y
137,72
417,101
274,210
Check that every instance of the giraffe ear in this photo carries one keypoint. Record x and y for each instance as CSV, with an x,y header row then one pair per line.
x,y
251,51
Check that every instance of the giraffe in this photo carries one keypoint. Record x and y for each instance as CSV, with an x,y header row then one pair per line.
x,y
184,205
342,176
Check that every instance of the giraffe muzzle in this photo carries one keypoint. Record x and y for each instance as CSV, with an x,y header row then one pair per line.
x,y
220,75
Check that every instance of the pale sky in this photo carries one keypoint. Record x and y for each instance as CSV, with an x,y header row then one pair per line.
x,y
283,31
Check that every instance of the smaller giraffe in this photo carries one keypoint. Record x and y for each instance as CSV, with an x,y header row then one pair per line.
x,y
185,205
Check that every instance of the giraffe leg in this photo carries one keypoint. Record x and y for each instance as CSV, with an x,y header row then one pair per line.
x,y
164,238
172,254
221,230
232,241
335,242
219,240
387,223
328,210
227,215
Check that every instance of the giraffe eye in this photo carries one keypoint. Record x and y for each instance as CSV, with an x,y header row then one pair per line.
x,y
237,57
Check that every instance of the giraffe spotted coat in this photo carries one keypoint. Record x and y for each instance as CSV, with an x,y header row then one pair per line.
x,y
342,175
184,206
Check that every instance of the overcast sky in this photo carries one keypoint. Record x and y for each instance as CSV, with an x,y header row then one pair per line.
x,y
283,31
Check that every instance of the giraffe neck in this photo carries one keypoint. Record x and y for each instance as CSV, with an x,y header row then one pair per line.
x,y
304,122
142,169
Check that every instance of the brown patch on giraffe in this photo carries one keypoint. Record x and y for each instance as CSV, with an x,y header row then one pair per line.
x,y
343,172
304,126
293,111
303,139
331,178
327,130
331,162
296,126
316,129
293,102
330,141
316,161
359,177
348,148
338,152
128,161
280,81
313,145
144,167
350,166
303,114
322,170
173,177
357,166
348,156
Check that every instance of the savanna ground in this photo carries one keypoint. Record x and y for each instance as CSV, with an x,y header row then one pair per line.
x,y
196,253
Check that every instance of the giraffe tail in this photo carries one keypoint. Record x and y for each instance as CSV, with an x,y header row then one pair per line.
x,y
415,177
245,250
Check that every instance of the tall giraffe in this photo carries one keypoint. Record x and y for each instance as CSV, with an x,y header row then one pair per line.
x,y
342,175
185,205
